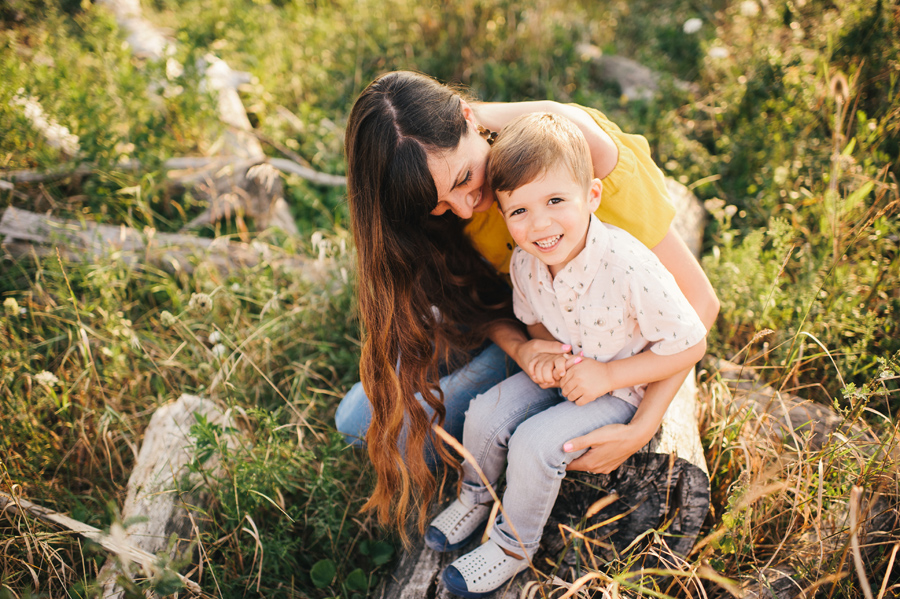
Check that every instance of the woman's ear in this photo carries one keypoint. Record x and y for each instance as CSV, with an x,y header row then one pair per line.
x,y
594,192
468,113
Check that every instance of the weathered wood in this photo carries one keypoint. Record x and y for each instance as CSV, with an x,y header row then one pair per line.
x,y
665,487
28,232
125,549
161,489
806,427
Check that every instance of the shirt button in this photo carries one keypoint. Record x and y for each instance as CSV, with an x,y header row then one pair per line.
x,y
601,322
568,308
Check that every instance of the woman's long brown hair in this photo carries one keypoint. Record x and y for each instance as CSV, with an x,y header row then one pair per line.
x,y
408,264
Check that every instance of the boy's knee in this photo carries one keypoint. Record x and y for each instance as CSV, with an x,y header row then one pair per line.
x,y
532,447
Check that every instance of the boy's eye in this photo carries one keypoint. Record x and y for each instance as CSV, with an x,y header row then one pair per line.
x,y
555,200
517,211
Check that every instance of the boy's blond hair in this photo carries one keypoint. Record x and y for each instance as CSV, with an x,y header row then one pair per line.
x,y
534,143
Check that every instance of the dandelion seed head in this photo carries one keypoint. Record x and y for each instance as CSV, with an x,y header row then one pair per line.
x,y
215,337
219,350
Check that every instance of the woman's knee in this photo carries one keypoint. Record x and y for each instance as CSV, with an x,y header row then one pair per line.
x,y
353,416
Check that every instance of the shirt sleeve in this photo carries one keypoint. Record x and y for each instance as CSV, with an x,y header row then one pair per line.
x,y
667,319
521,305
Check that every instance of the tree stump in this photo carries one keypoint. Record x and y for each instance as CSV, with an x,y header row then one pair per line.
x,y
665,484
154,496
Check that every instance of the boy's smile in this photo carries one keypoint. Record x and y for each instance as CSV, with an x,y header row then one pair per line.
x,y
549,216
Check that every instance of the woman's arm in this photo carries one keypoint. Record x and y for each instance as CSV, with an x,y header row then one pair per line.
x,y
611,445
604,153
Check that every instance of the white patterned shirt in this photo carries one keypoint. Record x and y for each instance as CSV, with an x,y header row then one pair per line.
x,y
613,300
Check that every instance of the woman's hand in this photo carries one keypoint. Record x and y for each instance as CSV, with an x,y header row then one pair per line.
x,y
609,446
544,361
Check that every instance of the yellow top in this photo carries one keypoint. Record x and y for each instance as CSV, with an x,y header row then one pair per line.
x,y
634,198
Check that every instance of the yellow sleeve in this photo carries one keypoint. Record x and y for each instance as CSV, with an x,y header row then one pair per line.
x,y
634,198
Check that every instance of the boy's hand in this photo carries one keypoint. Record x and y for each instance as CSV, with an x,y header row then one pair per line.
x,y
547,369
585,380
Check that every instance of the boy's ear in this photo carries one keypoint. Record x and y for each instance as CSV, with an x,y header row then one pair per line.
x,y
594,192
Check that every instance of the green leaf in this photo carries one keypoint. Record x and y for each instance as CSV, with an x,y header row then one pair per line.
x,y
381,552
322,573
357,581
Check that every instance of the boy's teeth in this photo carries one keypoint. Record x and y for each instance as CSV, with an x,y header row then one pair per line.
x,y
549,242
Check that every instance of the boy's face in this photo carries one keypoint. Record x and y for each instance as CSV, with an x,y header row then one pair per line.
x,y
549,216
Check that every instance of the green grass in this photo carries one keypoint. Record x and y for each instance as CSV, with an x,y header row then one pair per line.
x,y
790,135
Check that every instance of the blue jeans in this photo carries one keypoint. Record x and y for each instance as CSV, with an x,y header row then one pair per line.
x,y
528,424
491,366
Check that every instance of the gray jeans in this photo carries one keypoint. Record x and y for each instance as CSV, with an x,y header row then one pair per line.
x,y
518,421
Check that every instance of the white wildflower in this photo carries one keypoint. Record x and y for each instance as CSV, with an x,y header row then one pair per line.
x,y
46,378
731,210
235,287
106,352
749,8
886,374
167,319
201,302
215,337
56,135
22,311
173,69
718,52
219,350
692,25
11,306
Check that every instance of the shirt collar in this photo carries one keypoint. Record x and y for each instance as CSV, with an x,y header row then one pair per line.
x,y
579,273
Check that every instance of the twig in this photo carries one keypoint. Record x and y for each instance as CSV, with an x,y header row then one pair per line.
x,y
121,548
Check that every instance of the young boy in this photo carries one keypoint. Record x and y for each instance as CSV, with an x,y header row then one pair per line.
x,y
585,284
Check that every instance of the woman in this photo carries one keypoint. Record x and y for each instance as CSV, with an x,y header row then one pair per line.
x,y
434,302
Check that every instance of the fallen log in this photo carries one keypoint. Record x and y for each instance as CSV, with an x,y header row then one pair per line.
x,y
161,491
26,232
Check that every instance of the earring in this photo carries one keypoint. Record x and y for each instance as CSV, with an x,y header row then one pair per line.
x,y
487,134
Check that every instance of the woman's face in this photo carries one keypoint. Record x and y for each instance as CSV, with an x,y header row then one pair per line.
x,y
459,176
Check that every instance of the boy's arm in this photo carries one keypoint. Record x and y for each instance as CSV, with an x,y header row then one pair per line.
x,y
588,379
